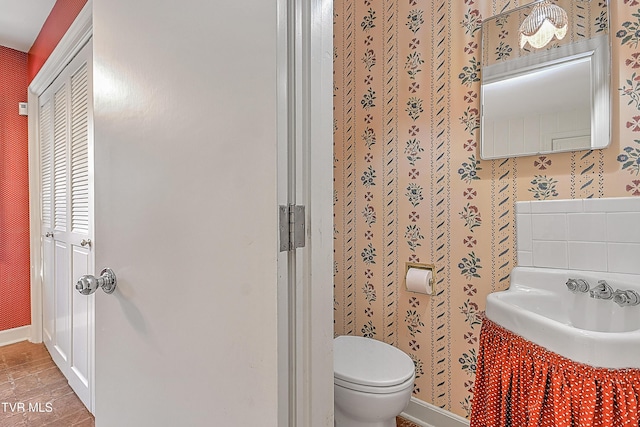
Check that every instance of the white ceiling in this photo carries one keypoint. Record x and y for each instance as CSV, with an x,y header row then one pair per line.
x,y
21,21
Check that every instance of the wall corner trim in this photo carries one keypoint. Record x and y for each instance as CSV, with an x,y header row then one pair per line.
x,y
11,336
428,415
76,36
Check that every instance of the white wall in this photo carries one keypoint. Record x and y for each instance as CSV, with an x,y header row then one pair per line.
x,y
185,134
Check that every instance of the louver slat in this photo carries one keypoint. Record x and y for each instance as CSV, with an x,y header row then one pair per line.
x,y
60,159
45,155
79,152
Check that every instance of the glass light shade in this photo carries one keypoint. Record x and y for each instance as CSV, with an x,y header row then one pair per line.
x,y
545,22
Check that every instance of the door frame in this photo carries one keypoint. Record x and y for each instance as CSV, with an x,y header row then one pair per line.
x,y
305,177
74,39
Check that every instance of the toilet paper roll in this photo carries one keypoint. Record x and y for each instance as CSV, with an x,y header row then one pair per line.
x,y
419,280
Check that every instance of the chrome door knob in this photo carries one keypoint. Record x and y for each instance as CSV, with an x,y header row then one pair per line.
x,y
85,242
48,234
88,284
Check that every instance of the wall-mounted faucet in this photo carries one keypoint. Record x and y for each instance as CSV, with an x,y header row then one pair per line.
x,y
577,285
626,298
602,291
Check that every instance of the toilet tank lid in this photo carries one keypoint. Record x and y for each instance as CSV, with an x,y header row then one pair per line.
x,y
370,362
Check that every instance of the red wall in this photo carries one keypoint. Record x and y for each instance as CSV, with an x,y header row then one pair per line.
x,y
60,19
15,308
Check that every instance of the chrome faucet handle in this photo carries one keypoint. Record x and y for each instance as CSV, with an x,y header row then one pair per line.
x,y
577,285
602,291
626,298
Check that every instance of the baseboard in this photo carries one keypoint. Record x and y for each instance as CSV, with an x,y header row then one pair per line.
x,y
427,415
14,335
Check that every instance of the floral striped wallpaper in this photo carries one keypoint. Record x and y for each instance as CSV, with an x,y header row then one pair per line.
x,y
410,187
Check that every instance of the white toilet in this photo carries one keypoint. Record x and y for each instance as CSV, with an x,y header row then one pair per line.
x,y
372,382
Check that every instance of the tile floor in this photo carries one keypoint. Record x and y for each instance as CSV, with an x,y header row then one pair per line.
x,y
29,377
401,422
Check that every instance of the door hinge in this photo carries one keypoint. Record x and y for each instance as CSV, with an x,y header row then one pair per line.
x,y
292,227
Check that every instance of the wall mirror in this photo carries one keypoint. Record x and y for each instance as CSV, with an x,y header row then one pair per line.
x,y
546,93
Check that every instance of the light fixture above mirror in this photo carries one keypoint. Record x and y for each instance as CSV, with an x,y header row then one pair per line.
x,y
545,22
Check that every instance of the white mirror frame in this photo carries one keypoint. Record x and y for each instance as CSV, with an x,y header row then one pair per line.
x,y
596,50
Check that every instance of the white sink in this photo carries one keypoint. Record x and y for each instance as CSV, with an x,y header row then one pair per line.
x,y
539,307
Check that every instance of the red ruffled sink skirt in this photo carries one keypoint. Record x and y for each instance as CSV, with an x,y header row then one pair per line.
x,y
521,384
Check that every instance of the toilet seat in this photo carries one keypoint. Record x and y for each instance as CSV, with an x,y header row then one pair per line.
x,y
370,366
374,389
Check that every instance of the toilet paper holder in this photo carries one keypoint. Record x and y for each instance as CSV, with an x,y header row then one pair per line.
x,y
422,266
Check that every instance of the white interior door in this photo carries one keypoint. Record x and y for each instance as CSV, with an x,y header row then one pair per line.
x,y
188,145
65,133
186,212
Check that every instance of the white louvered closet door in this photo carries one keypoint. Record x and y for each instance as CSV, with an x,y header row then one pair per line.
x,y
66,138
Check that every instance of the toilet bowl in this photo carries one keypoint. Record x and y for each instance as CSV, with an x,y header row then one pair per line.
x,y
372,382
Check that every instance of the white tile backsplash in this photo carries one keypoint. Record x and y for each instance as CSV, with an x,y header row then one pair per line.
x,y
550,254
624,257
525,258
613,204
623,227
581,234
523,229
558,206
587,227
587,256
549,226
523,207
